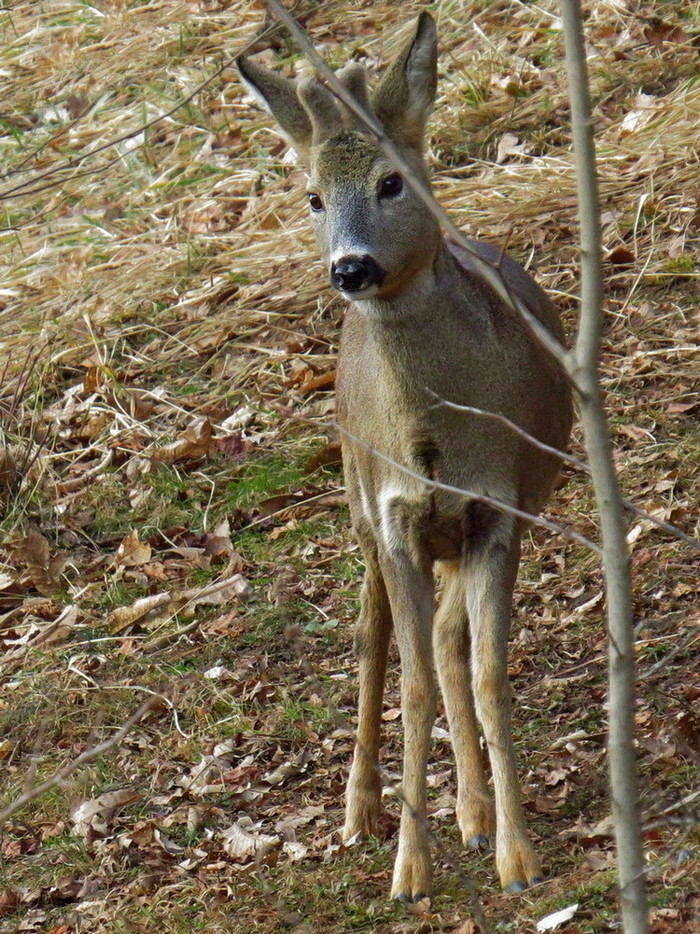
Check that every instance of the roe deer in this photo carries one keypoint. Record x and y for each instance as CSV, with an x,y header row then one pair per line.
x,y
421,320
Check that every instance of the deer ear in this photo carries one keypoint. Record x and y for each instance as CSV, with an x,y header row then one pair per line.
x,y
279,97
405,95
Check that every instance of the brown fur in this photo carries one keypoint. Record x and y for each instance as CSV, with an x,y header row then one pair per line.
x,y
431,323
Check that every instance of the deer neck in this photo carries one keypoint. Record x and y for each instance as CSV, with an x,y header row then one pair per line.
x,y
407,340
429,294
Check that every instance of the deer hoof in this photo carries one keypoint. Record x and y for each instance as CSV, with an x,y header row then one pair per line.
x,y
518,866
361,814
413,878
418,897
479,842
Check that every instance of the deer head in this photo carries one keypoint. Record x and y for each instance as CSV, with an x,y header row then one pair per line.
x,y
374,232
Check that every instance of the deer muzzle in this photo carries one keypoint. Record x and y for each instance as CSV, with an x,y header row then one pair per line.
x,y
356,273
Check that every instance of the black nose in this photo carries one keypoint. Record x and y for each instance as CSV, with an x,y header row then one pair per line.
x,y
356,273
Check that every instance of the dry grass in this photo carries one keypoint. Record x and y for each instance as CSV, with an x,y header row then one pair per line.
x,y
167,283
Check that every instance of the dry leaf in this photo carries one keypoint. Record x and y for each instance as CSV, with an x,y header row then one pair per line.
x,y
550,922
197,781
658,32
508,145
91,817
133,552
621,256
392,714
323,381
240,844
589,603
645,108
330,455
194,444
468,927
599,860
170,847
33,552
141,610
287,769
241,418
219,673
231,588
295,850
219,541
233,447
9,900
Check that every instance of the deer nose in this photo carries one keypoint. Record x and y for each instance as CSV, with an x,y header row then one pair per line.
x,y
356,273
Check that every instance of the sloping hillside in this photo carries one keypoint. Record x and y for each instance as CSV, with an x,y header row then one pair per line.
x,y
174,519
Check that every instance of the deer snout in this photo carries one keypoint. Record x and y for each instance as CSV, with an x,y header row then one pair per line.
x,y
356,273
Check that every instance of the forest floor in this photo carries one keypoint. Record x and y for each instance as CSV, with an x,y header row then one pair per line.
x,y
174,523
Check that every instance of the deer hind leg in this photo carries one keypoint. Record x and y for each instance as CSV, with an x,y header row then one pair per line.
x,y
410,588
475,811
372,633
491,566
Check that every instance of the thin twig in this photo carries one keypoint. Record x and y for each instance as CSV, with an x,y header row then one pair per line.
x,y
24,187
490,272
569,459
87,756
531,439
498,504
654,669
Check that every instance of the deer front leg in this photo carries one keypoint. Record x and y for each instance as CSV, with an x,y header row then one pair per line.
x,y
410,589
364,789
491,569
475,810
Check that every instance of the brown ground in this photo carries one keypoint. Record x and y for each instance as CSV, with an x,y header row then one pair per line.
x,y
169,342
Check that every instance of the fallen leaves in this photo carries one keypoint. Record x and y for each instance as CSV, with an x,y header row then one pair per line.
x,y
9,901
91,818
193,445
510,145
658,31
32,555
557,918
133,552
240,843
645,108
145,611
151,610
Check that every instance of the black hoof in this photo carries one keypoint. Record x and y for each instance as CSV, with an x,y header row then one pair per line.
x,y
405,898
480,842
516,887
537,880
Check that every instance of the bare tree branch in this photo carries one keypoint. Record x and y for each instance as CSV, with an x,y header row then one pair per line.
x,y
25,187
616,561
87,756
568,459
498,504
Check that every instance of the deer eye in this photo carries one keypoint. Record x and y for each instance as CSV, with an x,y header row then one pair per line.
x,y
315,201
391,186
